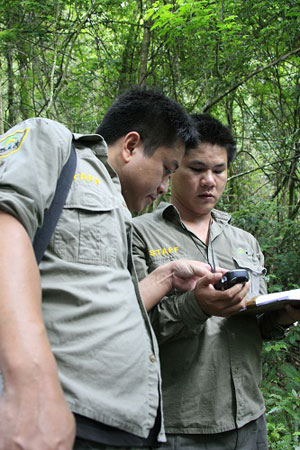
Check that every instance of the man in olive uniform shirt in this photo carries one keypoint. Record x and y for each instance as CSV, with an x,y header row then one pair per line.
x,y
210,360
89,322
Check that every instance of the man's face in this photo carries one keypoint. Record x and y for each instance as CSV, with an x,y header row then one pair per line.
x,y
200,180
147,177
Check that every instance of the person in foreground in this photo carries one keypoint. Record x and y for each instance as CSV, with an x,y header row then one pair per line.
x,y
88,320
210,357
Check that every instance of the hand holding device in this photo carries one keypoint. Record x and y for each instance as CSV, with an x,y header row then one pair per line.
x,y
231,278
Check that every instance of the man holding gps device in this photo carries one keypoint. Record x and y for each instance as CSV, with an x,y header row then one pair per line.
x,y
210,356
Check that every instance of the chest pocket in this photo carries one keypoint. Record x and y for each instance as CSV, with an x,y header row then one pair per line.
x,y
255,270
89,229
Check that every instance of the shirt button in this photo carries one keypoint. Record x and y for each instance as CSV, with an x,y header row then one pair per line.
x,y
152,358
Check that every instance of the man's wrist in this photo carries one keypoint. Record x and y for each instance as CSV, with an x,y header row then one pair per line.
x,y
156,285
164,275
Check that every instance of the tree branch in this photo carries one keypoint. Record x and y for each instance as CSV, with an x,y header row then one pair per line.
x,y
251,75
262,168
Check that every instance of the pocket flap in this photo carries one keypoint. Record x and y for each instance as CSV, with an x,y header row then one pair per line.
x,y
245,263
95,198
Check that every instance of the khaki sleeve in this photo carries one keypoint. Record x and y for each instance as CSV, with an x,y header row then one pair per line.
x,y
32,155
177,316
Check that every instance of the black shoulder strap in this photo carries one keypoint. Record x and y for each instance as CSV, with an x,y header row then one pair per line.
x,y
43,235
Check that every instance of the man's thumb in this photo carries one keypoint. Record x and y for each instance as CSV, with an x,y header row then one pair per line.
x,y
210,278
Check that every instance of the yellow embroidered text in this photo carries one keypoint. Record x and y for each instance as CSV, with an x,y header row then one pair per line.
x,y
163,251
88,177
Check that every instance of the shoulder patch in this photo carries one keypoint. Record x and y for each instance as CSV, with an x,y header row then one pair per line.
x,y
11,143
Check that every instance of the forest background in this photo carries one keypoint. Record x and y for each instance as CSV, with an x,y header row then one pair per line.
x,y
236,59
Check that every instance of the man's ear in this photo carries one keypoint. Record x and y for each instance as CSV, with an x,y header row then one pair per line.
x,y
131,142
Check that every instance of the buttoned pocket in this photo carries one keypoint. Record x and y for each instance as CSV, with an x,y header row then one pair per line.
x,y
88,230
86,236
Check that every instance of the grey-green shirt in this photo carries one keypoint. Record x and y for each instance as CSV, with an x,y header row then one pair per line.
x,y
211,366
99,331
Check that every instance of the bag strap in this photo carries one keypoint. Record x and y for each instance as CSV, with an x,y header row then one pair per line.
x,y
43,235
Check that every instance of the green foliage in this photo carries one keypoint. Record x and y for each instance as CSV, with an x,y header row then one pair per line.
x,y
281,389
279,240
238,60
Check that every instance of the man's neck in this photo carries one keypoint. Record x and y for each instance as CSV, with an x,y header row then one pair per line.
x,y
197,223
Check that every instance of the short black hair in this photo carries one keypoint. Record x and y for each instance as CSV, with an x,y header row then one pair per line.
x,y
212,131
159,120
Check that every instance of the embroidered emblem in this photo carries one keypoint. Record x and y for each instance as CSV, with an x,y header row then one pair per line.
x,y
12,142
240,250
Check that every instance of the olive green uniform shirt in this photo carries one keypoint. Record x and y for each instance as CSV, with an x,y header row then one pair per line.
x,y
97,326
211,366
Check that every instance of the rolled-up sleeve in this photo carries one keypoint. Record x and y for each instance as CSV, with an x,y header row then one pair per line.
x,y
32,155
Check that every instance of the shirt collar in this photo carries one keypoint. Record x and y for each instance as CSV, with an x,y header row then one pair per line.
x,y
169,212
